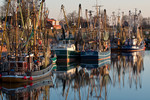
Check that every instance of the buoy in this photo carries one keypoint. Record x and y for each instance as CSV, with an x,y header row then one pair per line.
x,y
0,75
0,87
31,78
31,84
24,77
25,86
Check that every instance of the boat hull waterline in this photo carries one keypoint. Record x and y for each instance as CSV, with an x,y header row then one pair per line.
x,y
29,78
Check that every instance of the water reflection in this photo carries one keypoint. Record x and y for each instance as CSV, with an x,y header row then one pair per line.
x,y
97,80
38,90
129,65
85,81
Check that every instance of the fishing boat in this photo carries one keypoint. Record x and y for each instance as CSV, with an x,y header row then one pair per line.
x,y
133,40
132,45
24,71
65,49
136,41
97,50
26,62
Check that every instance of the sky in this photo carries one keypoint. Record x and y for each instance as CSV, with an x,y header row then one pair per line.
x,y
54,6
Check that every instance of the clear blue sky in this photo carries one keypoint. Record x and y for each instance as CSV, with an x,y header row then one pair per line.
x,y
110,5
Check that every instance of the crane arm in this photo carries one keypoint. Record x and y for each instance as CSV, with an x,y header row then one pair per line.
x,y
79,15
62,8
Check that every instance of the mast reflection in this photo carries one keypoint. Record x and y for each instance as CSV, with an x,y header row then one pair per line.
x,y
84,83
129,66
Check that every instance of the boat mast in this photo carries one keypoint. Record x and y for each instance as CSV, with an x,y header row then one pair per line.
x,y
16,31
119,30
91,26
34,26
47,12
99,26
86,13
114,24
105,22
41,17
135,27
130,24
22,18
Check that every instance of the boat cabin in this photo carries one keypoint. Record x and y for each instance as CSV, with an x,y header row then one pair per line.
x,y
23,64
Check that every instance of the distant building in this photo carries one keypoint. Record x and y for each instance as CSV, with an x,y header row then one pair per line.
x,y
53,23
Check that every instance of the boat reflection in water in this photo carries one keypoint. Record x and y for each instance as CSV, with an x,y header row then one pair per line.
x,y
79,83
129,67
63,76
82,82
98,79
26,91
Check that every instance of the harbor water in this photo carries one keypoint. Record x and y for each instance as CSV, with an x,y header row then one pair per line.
x,y
126,77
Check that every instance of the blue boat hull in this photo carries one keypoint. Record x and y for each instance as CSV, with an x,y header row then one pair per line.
x,y
132,48
94,56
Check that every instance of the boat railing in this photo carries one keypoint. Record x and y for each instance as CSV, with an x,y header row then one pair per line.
x,y
40,72
21,71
